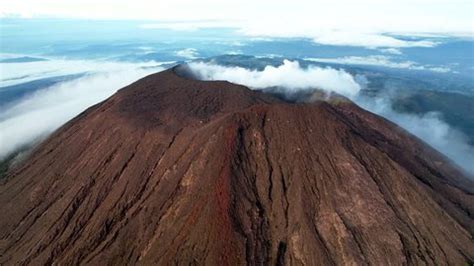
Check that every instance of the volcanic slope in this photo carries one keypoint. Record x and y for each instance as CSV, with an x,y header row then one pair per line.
x,y
172,170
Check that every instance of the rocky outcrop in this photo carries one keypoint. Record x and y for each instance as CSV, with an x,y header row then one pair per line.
x,y
178,171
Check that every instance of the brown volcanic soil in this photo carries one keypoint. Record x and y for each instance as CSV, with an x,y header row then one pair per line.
x,y
178,171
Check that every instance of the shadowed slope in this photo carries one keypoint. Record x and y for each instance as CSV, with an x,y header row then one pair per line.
x,y
172,170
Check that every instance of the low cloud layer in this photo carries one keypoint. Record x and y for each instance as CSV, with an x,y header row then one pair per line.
x,y
380,60
42,112
336,37
371,40
289,75
429,127
394,51
320,35
17,73
188,53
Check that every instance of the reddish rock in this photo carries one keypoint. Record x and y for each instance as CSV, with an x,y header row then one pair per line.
x,y
177,171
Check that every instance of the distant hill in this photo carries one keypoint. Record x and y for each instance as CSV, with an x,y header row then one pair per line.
x,y
23,59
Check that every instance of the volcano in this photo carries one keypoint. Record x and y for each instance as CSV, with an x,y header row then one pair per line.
x,y
173,170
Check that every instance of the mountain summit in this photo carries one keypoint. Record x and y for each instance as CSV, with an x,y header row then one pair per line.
x,y
172,170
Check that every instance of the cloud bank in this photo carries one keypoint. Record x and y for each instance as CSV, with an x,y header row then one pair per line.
x,y
188,53
394,51
371,40
289,75
380,60
17,73
40,113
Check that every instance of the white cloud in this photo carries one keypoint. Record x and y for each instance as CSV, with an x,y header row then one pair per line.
x,y
39,114
429,127
393,51
289,75
441,69
380,60
146,49
330,36
189,53
234,52
16,73
370,40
